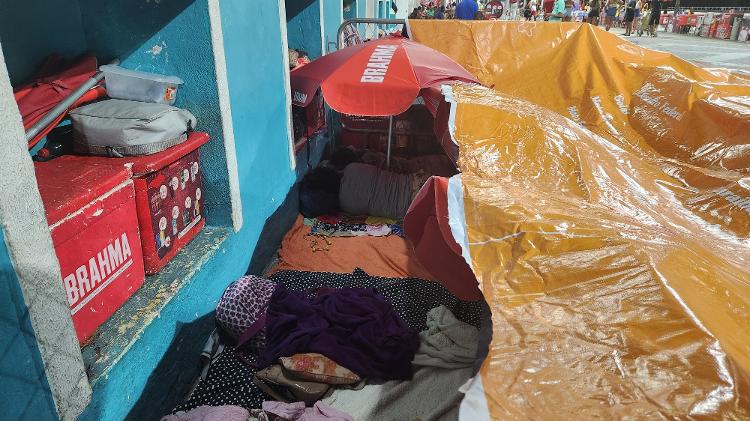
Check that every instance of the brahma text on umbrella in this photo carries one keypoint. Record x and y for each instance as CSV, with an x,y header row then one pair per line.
x,y
378,64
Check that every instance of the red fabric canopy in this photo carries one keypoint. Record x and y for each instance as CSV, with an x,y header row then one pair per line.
x,y
377,78
427,228
55,80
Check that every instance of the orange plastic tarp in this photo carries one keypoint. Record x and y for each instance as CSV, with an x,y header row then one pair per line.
x,y
607,209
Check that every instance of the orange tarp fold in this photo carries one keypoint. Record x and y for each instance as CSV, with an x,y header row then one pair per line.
x,y
606,190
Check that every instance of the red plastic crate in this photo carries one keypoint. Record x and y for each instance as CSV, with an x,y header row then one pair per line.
x,y
169,199
91,213
309,120
315,117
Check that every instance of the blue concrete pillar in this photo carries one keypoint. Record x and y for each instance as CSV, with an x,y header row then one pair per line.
x,y
333,11
25,392
362,8
303,26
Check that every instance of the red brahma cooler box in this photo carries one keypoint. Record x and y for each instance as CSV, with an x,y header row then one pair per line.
x,y
169,199
91,213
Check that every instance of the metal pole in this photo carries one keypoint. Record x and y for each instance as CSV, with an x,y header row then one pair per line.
x,y
63,106
390,138
365,20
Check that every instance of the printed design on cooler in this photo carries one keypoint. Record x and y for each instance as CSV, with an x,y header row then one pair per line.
x,y
101,270
175,198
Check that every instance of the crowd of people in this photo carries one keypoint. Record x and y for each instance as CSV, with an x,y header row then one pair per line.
x,y
635,16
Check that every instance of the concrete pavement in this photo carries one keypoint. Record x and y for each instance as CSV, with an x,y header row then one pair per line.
x,y
705,52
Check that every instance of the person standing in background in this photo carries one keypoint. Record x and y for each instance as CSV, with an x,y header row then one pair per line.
x,y
594,8
440,12
611,12
467,9
430,11
630,9
513,10
534,10
527,11
450,12
568,11
645,18
558,12
637,17
653,22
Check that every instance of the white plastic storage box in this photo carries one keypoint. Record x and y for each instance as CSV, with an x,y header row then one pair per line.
x,y
140,86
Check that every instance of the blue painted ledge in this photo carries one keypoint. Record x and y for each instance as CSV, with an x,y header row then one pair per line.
x,y
115,337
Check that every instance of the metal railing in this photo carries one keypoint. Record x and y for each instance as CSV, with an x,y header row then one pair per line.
x,y
371,21
61,107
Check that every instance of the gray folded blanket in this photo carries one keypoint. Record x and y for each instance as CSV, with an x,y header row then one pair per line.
x,y
443,363
447,342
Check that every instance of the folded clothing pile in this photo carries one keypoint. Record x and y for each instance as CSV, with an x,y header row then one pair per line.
x,y
353,326
303,344
327,333
353,332
448,350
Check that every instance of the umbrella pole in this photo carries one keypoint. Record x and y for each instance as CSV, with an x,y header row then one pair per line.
x,y
390,138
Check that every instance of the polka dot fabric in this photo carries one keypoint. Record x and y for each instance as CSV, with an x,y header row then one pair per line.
x,y
229,382
242,303
230,379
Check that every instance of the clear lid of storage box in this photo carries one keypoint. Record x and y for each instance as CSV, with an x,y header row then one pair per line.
x,y
111,68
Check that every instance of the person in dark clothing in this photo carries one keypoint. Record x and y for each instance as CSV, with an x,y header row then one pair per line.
x,y
440,13
319,193
653,22
629,17
467,9
413,15
527,11
594,9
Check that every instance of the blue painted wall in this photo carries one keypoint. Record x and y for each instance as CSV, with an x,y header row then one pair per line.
x,y
362,8
303,26
57,29
333,12
171,38
257,83
24,388
121,27
350,9
259,112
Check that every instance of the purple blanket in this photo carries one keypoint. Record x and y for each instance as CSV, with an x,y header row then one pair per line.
x,y
355,327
